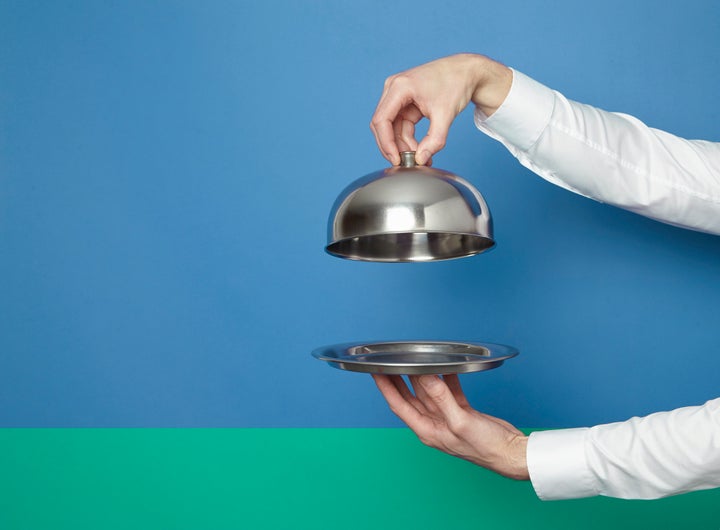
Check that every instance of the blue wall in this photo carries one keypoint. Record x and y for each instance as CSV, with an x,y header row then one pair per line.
x,y
166,171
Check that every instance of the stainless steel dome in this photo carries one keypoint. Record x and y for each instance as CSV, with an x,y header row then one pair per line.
x,y
409,213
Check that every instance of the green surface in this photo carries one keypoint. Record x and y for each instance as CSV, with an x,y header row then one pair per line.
x,y
286,478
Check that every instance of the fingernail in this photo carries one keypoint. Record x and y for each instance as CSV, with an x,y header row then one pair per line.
x,y
424,157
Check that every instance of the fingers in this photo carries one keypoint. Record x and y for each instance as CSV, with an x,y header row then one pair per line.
x,y
404,102
394,130
434,400
422,396
385,139
389,108
437,396
404,134
432,405
453,383
407,395
402,124
405,128
401,405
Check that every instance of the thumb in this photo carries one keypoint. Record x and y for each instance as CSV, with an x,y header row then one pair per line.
x,y
435,138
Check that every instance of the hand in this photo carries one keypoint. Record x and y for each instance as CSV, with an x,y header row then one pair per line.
x,y
439,91
441,416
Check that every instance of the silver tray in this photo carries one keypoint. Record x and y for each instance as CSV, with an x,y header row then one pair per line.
x,y
415,357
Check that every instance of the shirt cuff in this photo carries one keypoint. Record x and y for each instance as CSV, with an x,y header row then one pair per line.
x,y
557,464
524,114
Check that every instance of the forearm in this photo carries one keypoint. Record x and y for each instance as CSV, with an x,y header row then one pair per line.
x,y
617,159
643,458
613,158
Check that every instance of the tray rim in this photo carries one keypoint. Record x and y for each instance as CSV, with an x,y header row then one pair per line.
x,y
480,363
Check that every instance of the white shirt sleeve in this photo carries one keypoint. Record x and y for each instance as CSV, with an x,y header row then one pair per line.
x,y
613,158
616,159
663,454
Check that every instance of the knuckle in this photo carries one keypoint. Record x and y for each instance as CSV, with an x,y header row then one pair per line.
x,y
426,440
393,78
438,397
425,435
436,393
401,81
438,142
459,425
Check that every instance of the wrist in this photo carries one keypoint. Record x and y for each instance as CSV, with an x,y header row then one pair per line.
x,y
492,82
515,465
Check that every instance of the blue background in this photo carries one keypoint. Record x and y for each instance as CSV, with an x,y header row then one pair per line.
x,y
166,171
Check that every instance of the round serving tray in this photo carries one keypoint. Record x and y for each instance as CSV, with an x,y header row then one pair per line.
x,y
415,357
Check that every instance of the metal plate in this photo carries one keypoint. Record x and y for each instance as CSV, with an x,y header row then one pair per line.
x,y
415,357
